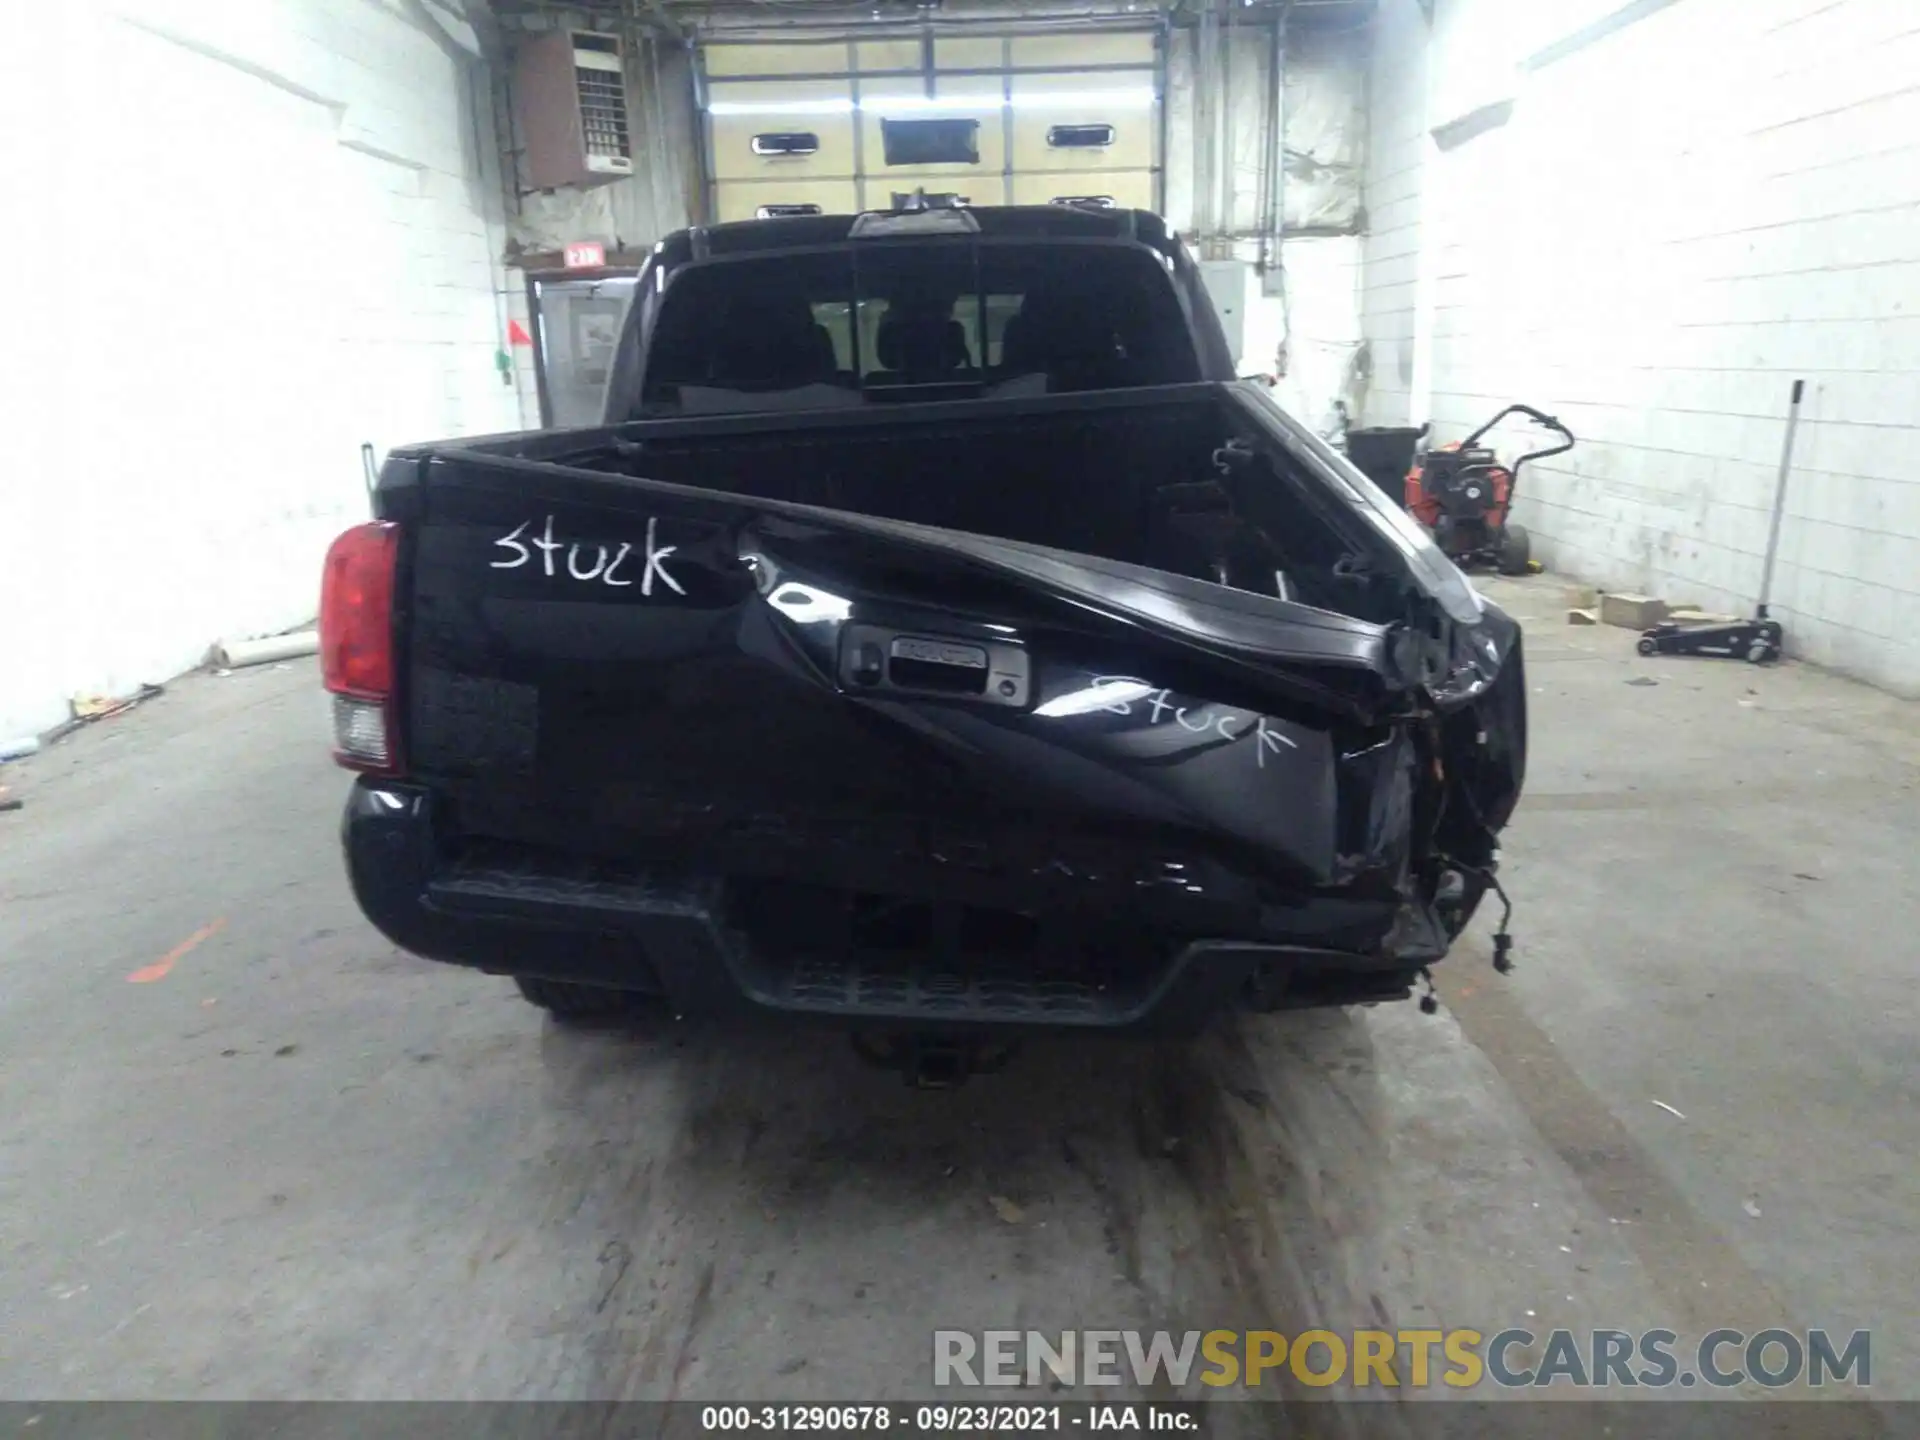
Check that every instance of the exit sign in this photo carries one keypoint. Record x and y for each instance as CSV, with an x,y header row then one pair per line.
x,y
586,255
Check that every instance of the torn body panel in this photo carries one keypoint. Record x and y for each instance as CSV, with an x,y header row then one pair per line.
x,y
673,722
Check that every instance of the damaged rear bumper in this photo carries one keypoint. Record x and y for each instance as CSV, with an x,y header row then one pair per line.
x,y
694,942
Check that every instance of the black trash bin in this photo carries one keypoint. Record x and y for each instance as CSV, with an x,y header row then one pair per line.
x,y
1384,454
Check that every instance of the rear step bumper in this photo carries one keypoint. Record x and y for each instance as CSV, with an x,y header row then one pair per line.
x,y
672,937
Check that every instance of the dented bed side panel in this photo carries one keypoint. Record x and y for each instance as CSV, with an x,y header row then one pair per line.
x,y
606,665
613,664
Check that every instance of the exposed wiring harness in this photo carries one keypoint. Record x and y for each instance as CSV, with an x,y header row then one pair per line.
x,y
1502,937
1502,940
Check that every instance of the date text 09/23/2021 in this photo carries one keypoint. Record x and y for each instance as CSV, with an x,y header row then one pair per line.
x,y
951,1419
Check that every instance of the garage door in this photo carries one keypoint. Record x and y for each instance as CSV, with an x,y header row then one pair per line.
x,y
840,126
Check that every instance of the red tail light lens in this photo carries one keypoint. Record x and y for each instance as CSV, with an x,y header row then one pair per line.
x,y
356,643
356,612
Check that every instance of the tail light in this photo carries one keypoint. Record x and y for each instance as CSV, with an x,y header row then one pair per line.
x,y
356,644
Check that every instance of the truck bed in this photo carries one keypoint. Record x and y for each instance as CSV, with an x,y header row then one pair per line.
x,y
1051,690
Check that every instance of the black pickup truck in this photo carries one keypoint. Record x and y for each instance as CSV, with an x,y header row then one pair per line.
x,y
935,636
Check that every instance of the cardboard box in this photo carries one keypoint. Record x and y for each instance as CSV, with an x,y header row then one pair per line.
x,y
1632,612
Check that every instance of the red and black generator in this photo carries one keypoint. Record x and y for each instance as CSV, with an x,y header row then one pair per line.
x,y
1464,495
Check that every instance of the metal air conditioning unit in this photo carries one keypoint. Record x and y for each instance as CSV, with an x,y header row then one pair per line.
x,y
570,93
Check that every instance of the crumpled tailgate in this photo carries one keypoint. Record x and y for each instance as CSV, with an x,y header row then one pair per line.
x,y
623,666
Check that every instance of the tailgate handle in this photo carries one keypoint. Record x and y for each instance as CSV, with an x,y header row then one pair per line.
x,y
876,659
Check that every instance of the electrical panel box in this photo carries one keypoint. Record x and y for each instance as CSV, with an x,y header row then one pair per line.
x,y
1230,283
570,95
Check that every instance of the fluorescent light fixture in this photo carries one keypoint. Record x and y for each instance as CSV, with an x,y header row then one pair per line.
x,y
1140,97
780,107
930,104
1086,101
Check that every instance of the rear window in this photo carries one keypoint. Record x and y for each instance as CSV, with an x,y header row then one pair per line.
x,y
921,320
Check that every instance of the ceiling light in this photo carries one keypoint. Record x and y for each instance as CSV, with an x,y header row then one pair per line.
x,y
1087,101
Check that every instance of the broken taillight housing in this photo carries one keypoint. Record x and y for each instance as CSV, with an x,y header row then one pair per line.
x,y
356,644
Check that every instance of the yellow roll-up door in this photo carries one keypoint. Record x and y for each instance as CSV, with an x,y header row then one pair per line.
x,y
843,125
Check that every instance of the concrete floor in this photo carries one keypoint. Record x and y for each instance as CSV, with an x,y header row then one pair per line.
x,y
299,1164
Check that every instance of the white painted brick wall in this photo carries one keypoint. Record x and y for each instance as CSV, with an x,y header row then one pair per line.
x,y
291,257
1396,147
1677,221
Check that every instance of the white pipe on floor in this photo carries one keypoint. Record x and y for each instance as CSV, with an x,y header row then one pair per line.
x,y
233,654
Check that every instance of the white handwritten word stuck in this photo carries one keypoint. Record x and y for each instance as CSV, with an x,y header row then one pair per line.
x,y
601,566
1127,691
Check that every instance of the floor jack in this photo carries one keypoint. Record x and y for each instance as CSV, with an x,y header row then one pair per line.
x,y
1760,639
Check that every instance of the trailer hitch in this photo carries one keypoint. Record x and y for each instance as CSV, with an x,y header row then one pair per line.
x,y
934,1060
